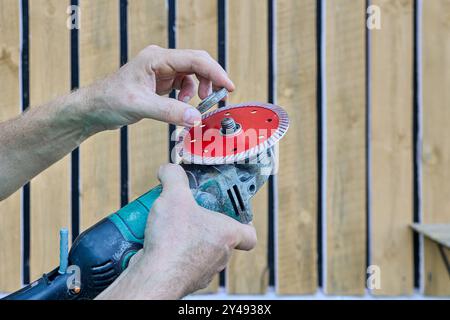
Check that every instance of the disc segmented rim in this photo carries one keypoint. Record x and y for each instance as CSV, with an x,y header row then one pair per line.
x,y
206,144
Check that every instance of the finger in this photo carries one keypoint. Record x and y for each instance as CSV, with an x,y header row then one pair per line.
x,y
246,237
172,111
200,63
187,89
173,179
204,88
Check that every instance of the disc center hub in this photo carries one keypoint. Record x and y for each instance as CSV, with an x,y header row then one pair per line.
x,y
229,127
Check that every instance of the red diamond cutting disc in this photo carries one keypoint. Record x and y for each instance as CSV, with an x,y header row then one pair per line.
x,y
248,130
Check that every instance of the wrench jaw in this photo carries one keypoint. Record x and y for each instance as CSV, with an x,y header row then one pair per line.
x,y
212,100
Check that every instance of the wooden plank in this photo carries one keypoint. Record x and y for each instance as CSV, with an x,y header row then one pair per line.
x,y
99,156
391,147
248,68
298,175
197,29
346,132
10,256
147,140
49,78
435,148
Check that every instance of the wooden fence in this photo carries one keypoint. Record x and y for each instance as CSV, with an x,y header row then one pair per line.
x,y
367,153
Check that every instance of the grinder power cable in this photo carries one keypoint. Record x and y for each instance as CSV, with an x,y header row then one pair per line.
x,y
227,159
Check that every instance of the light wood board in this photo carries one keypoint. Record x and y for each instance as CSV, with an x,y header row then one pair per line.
x,y
345,147
147,140
436,130
99,155
248,68
391,147
197,29
10,230
298,173
49,78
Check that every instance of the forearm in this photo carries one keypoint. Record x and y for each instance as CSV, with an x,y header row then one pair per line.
x,y
40,137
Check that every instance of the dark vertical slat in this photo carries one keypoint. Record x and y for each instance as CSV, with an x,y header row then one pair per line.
x,y
222,32
416,142
320,144
75,157
222,57
172,34
273,179
25,104
124,195
222,36
367,44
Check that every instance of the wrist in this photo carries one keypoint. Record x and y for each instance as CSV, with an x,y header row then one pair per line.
x,y
163,281
147,278
84,102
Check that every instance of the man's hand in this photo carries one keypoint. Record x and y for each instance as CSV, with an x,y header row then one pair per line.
x,y
44,134
185,245
136,90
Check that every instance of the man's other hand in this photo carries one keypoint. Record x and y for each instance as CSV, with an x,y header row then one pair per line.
x,y
137,90
185,245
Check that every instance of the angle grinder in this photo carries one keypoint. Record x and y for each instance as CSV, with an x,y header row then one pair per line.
x,y
227,159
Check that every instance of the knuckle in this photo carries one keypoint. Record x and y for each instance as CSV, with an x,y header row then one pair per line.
x,y
227,252
150,50
253,241
177,168
162,169
167,167
227,241
153,47
173,167
204,53
201,56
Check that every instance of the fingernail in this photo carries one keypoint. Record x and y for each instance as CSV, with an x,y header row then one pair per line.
x,y
191,116
186,99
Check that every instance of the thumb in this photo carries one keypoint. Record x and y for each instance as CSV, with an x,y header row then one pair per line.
x,y
246,237
173,111
173,179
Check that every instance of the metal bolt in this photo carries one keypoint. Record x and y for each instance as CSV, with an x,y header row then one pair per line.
x,y
229,126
